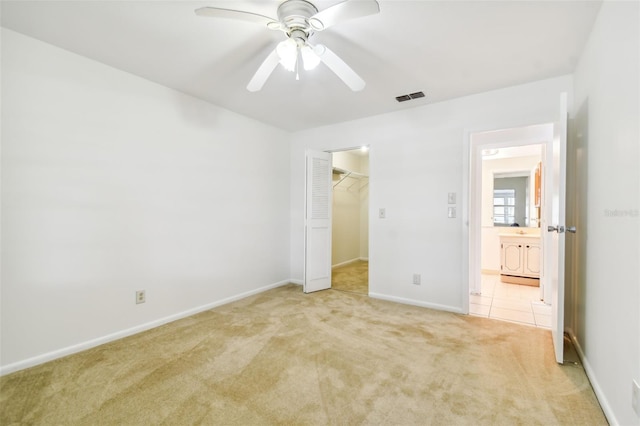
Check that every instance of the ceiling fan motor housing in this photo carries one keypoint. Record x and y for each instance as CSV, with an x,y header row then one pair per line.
x,y
295,15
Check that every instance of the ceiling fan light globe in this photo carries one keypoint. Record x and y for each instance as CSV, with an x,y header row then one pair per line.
x,y
289,65
309,58
288,54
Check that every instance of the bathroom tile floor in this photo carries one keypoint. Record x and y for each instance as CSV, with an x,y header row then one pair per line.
x,y
510,302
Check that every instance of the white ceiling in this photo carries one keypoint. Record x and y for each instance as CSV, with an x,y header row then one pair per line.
x,y
447,49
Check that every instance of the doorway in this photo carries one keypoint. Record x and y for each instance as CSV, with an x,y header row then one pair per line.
x,y
350,221
505,225
510,210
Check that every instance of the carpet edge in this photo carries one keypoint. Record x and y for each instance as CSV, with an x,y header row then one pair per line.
x,y
83,346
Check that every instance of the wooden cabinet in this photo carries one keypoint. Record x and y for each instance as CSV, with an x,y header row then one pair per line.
x,y
537,188
520,259
532,259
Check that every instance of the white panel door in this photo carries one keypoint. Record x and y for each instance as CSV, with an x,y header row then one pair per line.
x,y
554,237
317,264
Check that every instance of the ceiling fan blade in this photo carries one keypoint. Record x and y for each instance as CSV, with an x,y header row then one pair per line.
x,y
340,68
264,71
215,12
348,9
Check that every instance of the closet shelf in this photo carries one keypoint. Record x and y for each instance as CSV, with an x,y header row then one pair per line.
x,y
344,174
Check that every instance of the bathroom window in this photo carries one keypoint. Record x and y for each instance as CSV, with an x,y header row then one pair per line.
x,y
504,207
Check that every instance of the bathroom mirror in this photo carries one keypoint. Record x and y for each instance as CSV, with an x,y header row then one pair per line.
x,y
511,199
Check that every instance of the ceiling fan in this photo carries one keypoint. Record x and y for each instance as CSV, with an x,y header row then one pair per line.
x,y
299,19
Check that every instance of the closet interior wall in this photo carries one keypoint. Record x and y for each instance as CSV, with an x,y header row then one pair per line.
x,y
350,239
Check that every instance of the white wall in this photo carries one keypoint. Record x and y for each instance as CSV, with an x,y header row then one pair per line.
x,y
416,157
346,214
606,321
112,184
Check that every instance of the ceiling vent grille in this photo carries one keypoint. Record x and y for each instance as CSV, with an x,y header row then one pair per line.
x,y
415,95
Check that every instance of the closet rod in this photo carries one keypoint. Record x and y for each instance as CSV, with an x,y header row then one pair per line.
x,y
347,173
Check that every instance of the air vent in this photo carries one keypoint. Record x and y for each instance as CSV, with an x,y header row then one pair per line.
x,y
410,96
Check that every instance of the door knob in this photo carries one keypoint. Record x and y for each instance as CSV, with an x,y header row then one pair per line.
x,y
571,229
559,229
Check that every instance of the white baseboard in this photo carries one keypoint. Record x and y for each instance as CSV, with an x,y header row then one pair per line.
x,y
417,303
69,350
347,262
597,389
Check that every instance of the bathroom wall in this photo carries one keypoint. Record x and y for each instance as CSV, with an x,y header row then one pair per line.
x,y
490,259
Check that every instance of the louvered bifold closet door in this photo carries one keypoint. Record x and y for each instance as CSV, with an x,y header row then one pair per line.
x,y
317,274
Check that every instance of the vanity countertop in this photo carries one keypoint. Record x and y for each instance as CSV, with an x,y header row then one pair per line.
x,y
515,234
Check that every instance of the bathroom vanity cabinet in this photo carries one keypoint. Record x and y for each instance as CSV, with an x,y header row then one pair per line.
x,y
520,257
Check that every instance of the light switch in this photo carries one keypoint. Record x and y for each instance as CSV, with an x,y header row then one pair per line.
x,y
382,213
452,198
452,212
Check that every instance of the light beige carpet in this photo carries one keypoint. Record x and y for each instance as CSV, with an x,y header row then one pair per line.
x,y
353,277
284,357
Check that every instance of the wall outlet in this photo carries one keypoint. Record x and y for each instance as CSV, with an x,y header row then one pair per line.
x,y
140,297
416,279
635,398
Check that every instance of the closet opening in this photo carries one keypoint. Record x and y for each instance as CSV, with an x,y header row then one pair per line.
x,y
350,221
